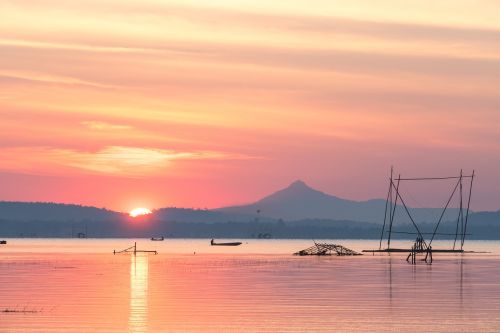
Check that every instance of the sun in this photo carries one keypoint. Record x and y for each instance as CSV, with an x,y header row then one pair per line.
x,y
139,212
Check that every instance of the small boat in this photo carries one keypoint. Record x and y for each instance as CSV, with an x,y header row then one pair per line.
x,y
3,242
157,238
224,244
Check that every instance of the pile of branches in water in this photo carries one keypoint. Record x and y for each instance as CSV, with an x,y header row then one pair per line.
x,y
324,249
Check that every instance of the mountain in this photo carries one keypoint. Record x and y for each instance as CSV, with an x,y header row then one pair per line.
x,y
297,211
47,211
24,219
299,201
198,215
485,219
296,202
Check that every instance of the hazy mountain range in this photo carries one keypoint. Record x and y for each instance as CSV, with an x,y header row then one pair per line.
x,y
299,201
297,211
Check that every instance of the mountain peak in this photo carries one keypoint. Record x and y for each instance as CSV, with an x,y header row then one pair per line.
x,y
297,191
299,184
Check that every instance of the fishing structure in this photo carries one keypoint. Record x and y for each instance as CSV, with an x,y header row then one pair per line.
x,y
325,249
133,249
421,245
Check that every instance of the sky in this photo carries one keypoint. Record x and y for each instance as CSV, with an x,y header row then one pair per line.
x,y
128,103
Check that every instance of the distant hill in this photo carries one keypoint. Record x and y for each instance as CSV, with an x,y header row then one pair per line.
x,y
299,201
296,202
46,211
484,219
297,211
199,215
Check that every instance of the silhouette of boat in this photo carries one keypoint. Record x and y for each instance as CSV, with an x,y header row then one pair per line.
x,y
3,242
157,238
224,244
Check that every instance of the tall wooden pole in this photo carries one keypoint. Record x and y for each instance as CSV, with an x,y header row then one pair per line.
x,y
461,209
385,212
460,220
391,220
468,207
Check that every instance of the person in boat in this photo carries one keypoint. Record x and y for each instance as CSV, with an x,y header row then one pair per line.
x,y
212,242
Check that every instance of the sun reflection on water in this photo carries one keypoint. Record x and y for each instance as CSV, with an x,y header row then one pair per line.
x,y
138,318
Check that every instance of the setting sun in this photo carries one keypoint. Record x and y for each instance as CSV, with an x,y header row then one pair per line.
x,y
139,212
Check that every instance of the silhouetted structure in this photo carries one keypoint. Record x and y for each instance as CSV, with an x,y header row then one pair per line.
x,y
421,245
133,249
325,249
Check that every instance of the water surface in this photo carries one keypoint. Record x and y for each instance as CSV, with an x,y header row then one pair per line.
x,y
78,285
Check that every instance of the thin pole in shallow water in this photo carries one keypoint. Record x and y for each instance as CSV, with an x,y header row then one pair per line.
x,y
393,213
385,212
461,209
460,219
467,213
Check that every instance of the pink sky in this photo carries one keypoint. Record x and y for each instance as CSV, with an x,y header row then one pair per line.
x,y
124,103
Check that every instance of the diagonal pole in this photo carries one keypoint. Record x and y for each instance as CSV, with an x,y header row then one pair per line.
x,y
409,215
442,213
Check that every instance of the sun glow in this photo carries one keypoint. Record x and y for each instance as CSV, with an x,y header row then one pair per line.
x,y
139,212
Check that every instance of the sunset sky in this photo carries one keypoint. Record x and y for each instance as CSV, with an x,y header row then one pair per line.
x,y
123,104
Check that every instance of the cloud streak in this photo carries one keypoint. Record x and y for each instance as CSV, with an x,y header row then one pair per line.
x,y
49,78
116,161
281,20
104,126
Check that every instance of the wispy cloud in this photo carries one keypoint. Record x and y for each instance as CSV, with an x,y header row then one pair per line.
x,y
124,161
74,46
104,126
49,78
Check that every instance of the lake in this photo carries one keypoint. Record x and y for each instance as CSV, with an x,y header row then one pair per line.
x,y
78,285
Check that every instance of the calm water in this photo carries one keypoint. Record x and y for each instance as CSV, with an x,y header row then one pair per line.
x,y
51,285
